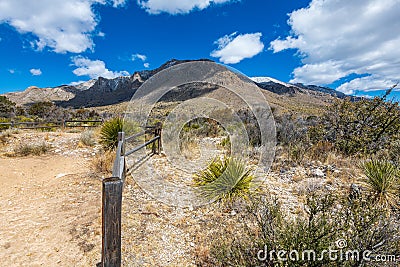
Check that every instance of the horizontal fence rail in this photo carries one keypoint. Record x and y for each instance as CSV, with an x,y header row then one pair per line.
x,y
49,124
112,196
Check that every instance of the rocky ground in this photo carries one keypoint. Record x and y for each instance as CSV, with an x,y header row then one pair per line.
x,y
50,206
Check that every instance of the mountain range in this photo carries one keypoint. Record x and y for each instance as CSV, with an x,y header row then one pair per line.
x,y
102,91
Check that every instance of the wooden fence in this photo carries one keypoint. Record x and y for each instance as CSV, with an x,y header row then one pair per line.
x,y
112,196
50,124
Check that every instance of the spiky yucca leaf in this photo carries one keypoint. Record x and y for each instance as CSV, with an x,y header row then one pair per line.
x,y
224,180
383,182
109,132
212,172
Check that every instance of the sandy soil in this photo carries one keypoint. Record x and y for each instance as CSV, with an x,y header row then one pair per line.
x,y
49,212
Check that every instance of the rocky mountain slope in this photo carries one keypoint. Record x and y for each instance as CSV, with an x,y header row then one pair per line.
x,y
102,91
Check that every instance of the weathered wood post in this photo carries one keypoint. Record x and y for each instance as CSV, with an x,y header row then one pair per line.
x,y
159,126
112,209
111,222
153,147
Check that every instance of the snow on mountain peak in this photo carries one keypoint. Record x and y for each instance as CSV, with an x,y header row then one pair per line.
x,y
269,79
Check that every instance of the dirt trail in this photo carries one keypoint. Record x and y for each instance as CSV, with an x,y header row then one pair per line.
x,y
49,212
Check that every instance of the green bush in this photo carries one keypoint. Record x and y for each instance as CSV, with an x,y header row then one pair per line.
x,y
356,224
383,182
41,109
362,127
224,180
7,107
4,120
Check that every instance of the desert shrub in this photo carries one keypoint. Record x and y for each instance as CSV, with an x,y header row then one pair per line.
x,y
225,180
4,120
320,150
251,125
364,126
40,109
20,111
292,133
203,127
327,223
383,182
31,149
7,107
87,138
102,163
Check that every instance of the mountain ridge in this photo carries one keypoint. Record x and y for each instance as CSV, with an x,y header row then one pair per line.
x,y
103,91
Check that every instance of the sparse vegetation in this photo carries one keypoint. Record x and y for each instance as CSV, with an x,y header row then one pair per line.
x,y
325,220
103,162
7,107
87,138
225,180
31,149
362,127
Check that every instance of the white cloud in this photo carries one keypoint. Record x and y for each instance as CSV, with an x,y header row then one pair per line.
x,y
94,68
35,72
335,41
369,83
146,65
118,3
61,25
175,7
139,56
319,73
11,71
234,48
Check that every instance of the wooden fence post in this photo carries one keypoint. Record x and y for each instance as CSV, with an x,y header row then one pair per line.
x,y
156,149
159,126
111,222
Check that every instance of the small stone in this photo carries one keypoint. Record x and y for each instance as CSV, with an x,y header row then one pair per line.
x,y
318,172
60,175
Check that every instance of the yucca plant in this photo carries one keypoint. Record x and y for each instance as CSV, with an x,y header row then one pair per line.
x,y
109,132
383,182
110,129
224,180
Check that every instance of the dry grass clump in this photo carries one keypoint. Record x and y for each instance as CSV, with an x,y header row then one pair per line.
x,y
103,162
24,149
87,138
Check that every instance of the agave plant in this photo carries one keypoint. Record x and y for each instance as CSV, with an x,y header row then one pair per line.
x,y
383,182
224,180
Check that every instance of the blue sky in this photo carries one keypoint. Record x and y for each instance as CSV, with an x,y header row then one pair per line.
x,y
46,43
